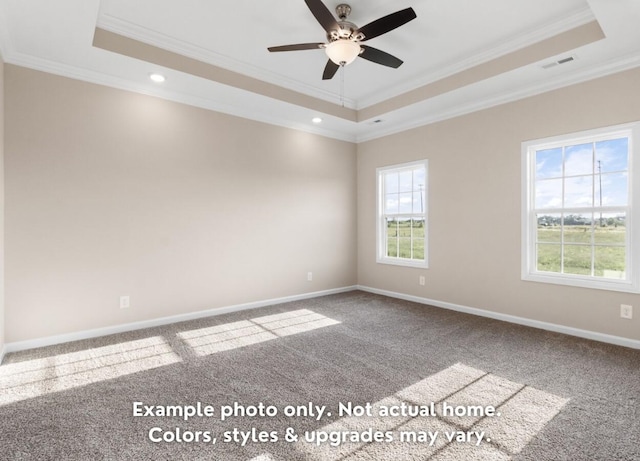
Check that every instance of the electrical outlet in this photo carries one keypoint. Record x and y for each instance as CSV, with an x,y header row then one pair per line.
x,y
422,280
125,302
309,276
626,311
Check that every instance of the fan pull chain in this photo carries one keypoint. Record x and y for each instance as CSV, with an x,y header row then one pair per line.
x,y
342,85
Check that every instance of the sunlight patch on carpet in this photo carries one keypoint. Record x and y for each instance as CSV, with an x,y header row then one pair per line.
x,y
219,338
34,378
523,413
263,457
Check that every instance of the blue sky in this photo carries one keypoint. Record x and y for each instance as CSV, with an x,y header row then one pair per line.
x,y
404,191
582,175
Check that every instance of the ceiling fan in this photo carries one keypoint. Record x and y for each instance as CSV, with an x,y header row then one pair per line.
x,y
345,38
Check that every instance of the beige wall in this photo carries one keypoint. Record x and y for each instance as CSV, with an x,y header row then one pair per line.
x,y
475,212
111,193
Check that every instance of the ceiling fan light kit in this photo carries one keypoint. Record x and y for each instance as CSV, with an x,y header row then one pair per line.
x,y
343,51
345,38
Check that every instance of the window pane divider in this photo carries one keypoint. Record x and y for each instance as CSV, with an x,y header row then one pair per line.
x,y
598,244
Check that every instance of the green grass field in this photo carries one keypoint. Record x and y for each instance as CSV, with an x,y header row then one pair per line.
x,y
609,252
403,236
608,259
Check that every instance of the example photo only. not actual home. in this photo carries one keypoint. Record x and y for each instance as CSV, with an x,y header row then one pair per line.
x,y
312,230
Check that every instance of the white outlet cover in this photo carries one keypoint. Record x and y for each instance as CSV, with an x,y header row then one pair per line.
x,y
125,302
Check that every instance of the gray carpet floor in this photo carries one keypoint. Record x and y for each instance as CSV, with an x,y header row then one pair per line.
x,y
528,394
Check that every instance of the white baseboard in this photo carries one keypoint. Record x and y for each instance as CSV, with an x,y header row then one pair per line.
x,y
87,334
602,337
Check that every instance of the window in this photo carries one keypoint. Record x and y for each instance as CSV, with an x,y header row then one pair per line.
x,y
579,225
402,214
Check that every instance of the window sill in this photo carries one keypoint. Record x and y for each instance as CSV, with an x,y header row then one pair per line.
x,y
582,282
403,263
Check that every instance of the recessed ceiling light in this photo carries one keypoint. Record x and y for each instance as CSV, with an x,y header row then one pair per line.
x,y
316,120
158,78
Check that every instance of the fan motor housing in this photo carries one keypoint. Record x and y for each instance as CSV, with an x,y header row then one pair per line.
x,y
346,30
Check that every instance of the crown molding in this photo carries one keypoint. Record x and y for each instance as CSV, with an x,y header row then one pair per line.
x,y
611,67
495,51
359,132
239,110
151,37
190,50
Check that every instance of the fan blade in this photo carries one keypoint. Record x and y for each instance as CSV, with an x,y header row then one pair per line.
x,y
322,15
380,57
297,47
330,70
386,24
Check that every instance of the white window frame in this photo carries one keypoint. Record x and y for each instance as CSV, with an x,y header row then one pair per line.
x,y
381,228
529,221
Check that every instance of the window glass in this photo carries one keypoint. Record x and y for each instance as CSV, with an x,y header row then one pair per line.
x,y
576,227
402,215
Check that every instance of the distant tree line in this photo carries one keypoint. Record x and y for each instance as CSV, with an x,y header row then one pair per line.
x,y
580,220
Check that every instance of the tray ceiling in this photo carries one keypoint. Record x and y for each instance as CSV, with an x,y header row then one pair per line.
x,y
459,56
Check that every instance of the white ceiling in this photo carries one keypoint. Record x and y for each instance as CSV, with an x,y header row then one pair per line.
x,y
447,38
